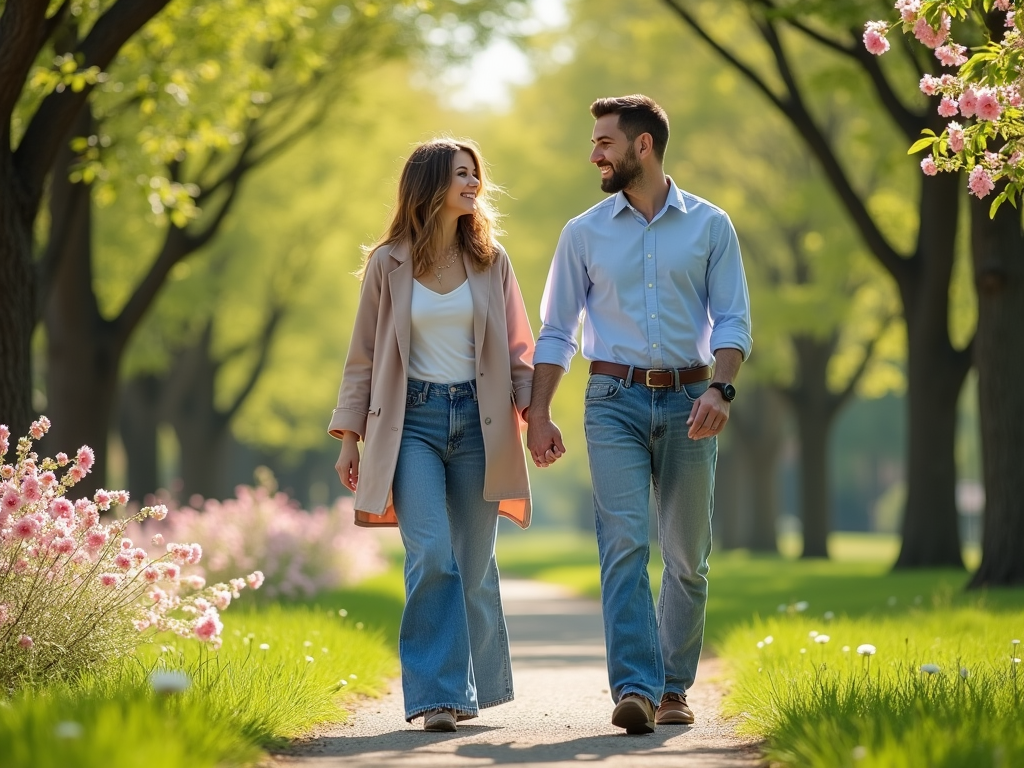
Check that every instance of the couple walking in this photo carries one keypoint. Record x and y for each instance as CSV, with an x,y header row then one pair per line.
x,y
656,276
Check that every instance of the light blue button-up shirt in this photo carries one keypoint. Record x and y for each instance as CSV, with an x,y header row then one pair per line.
x,y
663,294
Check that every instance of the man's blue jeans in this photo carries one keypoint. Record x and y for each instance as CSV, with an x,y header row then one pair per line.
x,y
635,436
453,644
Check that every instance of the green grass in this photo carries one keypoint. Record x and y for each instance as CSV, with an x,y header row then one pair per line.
x,y
825,706
857,581
241,698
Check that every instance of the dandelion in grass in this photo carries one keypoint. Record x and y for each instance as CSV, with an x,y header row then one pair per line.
x,y
264,646
812,634
353,677
964,673
801,606
169,681
769,640
760,644
343,613
822,639
931,669
867,650
310,659
67,729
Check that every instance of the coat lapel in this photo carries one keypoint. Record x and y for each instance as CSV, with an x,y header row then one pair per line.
x,y
400,287
479,287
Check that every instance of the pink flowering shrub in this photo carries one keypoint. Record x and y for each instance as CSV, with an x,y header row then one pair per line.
x,y
75,592
300,553
987,91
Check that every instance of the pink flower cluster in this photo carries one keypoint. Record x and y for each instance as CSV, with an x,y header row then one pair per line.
x,y
300,552
75,591
992,99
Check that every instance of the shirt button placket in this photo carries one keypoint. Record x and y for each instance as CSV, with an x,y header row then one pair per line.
x,y
650,273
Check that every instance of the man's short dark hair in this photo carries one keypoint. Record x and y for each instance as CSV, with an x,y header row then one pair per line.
x,y
637,114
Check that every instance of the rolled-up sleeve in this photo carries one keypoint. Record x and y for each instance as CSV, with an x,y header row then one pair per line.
x,y
728,298
562,304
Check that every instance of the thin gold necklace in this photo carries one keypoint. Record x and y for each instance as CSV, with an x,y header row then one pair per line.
x,y
453,254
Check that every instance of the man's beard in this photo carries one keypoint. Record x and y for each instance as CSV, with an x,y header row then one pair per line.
x,y
627,171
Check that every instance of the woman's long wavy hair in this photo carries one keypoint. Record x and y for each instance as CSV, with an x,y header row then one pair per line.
x,y
416,219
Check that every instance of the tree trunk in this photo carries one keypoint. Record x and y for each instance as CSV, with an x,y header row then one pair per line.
x,y
764,439
935,375
201,428
814,408
732,489
81,364
139,416
998,251
17,303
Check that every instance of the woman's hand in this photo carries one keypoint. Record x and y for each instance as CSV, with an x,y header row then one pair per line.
x,y
348,461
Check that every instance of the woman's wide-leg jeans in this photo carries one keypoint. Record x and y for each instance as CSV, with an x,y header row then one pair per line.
x,y
636,435
453,644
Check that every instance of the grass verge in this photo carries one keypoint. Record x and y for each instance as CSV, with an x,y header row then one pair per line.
x,y
282,670
943,688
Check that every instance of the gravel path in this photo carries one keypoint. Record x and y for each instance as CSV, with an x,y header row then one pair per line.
x,y
560,717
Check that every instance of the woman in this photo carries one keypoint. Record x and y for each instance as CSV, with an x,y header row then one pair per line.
x,y
437,379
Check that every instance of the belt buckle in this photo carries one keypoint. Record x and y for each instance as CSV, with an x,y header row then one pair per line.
x,y
649,371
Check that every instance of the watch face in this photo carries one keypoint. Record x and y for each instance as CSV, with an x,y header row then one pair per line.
x,y
728,390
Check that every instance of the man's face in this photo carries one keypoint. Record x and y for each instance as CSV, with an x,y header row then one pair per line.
x,y
614,155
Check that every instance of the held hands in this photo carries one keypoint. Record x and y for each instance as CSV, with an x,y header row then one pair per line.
x,y
348,462
544,440
708,416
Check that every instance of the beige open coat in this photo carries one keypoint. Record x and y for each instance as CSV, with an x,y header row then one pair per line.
x,y
371,401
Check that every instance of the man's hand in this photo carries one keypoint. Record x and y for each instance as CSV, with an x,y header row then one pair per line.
x,y
348,461
544,440
708,416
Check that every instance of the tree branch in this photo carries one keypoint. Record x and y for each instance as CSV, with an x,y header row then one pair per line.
x,y
21,24
908,120
722,51
264,346
51,121
50,26
869,354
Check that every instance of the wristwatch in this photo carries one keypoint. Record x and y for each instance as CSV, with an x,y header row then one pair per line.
x,y
728,390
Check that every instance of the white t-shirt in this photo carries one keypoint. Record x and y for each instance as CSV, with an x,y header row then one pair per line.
x,y
442,348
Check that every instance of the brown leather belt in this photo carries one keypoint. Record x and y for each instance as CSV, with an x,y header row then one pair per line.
x,y
656,378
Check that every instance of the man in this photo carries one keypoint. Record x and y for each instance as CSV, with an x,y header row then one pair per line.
x,y
656,276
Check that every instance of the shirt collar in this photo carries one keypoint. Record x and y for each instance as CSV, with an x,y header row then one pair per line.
x,y
675,199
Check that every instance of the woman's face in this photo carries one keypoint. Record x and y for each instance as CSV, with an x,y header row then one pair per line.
x,y
461,197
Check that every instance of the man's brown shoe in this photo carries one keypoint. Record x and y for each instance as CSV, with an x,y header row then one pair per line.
x,y
634,713
673,710
439,720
